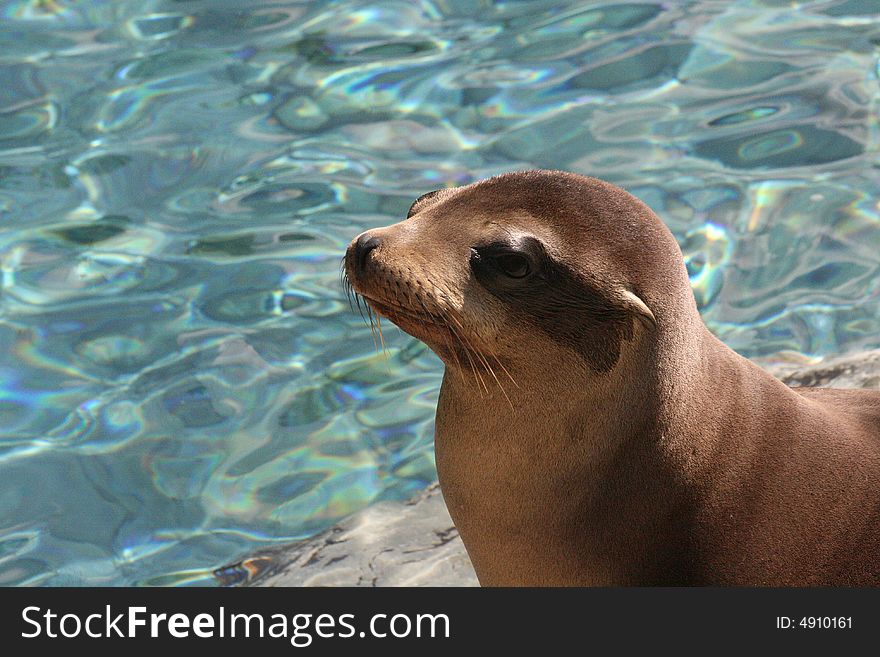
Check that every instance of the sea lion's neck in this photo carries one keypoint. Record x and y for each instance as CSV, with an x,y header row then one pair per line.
x,y
567,481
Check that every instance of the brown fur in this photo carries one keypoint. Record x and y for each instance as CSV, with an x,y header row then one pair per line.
x,y
578,446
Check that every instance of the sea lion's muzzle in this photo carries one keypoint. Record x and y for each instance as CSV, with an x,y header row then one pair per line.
x,y
359,251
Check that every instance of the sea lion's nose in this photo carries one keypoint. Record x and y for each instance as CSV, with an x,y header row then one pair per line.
x,y
362,247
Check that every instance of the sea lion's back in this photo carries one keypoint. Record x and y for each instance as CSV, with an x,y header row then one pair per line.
x,y
860,404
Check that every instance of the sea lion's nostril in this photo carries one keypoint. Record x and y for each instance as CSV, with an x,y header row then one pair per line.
x,y
365,243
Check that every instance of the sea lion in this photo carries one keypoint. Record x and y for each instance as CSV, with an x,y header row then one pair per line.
x,y
590,430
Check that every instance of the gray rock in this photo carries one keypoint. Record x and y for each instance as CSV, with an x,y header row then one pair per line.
x,y
858,370
415,543
387,544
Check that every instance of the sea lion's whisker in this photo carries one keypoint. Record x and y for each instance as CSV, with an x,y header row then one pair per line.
x,y
349,294
443,320
372,327
486,364
467,352
469,348
509,376
462,340
381,337
477,377
357,298
501,387
468,356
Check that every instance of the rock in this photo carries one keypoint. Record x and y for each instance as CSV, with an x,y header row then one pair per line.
x,y
858,370
388,544
415,543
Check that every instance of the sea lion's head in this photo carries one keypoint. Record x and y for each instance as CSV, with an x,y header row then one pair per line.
x,y
523,266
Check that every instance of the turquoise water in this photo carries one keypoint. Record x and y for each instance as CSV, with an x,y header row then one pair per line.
x,y
181,378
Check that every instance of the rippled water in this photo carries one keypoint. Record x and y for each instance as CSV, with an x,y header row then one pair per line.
x,y
181,379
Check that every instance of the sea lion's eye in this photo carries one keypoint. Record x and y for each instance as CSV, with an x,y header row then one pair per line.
x,y
513,265
507,265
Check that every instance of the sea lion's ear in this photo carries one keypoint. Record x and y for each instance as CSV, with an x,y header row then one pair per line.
x,y
635,305
421,199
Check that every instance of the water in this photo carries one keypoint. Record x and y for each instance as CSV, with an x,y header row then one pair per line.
x,y
181,379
